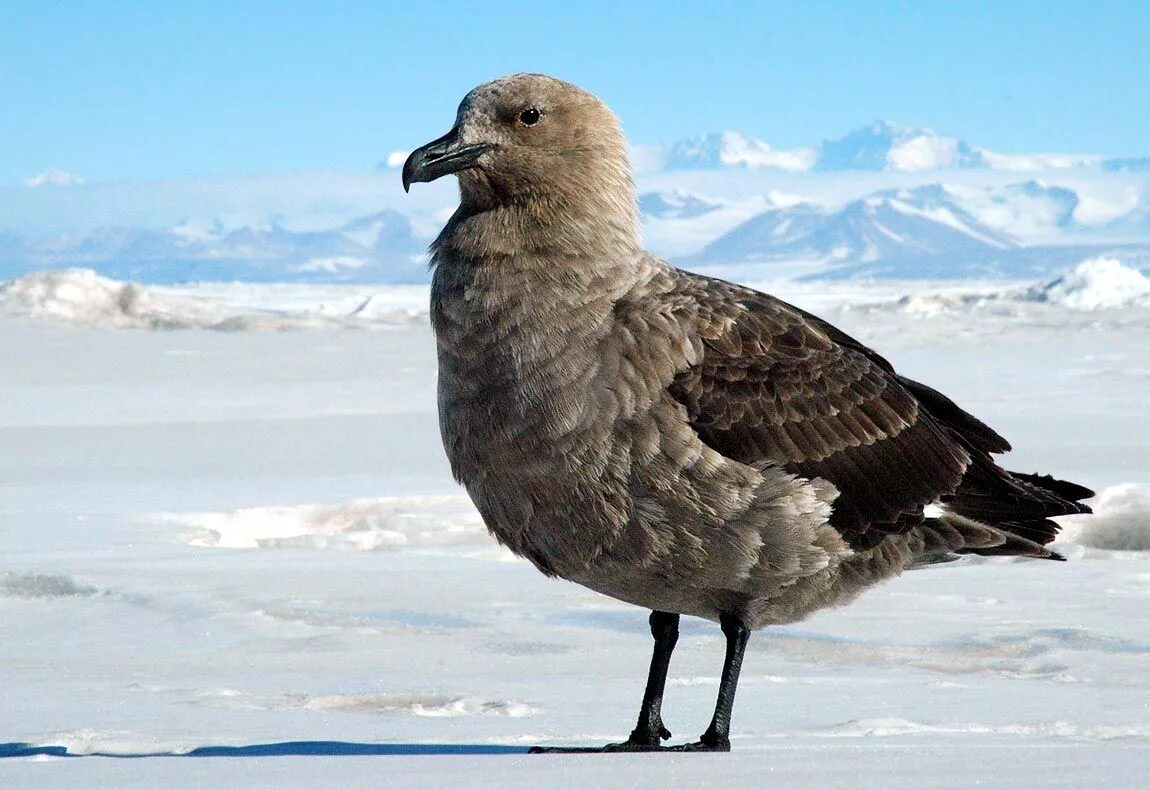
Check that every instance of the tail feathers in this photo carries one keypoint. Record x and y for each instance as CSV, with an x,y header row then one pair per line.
x,y
1018,503
1071,492
951,534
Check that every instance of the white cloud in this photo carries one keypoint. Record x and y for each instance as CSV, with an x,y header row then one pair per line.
x,y
739,150
54,177
397,158
923,152
1027,162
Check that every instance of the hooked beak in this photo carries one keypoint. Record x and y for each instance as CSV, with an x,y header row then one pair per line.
x,y
439,158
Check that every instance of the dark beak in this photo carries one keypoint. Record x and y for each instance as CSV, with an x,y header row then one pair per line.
x,y
439,158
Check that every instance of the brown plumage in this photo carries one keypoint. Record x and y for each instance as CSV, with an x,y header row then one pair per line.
x,y
675,441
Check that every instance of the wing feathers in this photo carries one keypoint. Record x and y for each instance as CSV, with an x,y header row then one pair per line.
x,y
779,385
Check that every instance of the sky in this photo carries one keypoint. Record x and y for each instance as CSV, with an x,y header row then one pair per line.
x,y
153,90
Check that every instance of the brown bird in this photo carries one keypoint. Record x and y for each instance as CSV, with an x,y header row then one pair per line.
x,y
675,441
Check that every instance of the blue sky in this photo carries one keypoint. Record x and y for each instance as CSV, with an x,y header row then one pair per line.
x,y
143,90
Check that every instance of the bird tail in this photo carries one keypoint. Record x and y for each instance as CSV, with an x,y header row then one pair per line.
x,y
1019,505
949,535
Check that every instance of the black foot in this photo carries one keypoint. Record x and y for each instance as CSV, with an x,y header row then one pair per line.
x,y
701,746
704,744
647,735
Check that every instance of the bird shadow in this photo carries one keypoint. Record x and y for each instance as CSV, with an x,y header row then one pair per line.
x,y
284,749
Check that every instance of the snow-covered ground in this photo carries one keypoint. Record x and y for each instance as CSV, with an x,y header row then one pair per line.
x,y
245,547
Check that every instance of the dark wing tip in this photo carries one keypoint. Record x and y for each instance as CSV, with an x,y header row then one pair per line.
x,y
1062,488
950,413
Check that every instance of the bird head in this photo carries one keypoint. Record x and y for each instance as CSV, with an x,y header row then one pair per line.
x,y
535,142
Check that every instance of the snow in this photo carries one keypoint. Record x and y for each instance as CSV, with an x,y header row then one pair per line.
x,y
894,147
946,217
924,152
332,264
246,547
1099,291
738,150
1034,210
83,298
1097,284
1038,162
731,149
1121,521
362,227
362,525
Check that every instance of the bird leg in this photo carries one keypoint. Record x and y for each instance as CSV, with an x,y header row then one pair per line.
x,y
650,730
717,736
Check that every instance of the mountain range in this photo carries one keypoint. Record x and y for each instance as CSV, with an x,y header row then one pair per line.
x,y
380,247
883,200
881,146
926,231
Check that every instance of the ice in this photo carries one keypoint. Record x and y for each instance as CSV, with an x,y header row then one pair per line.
x,y
1097,284
1095,290
83,298
41,585
243,553
1121,521
885,728
364,524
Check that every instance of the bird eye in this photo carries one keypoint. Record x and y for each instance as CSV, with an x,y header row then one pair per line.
x,y
530,117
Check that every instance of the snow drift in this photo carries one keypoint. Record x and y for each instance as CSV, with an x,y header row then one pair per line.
x,y
1096,284
82,297
1093,286
1121,520
360,525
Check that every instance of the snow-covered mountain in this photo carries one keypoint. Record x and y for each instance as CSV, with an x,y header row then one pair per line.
x,y
879,147
888,146
878,231
925,231
675,204
932,229
377,248
731,149
1031,210
885,199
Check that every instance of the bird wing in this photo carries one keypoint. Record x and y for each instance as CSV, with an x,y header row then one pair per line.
x,y
777,385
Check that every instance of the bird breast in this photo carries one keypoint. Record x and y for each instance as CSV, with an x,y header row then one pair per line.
x,y
546,388
516,366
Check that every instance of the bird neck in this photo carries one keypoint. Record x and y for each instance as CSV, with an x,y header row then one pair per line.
x,y
578,221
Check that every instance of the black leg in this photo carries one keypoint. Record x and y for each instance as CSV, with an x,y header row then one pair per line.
x,y
650,730
717,736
